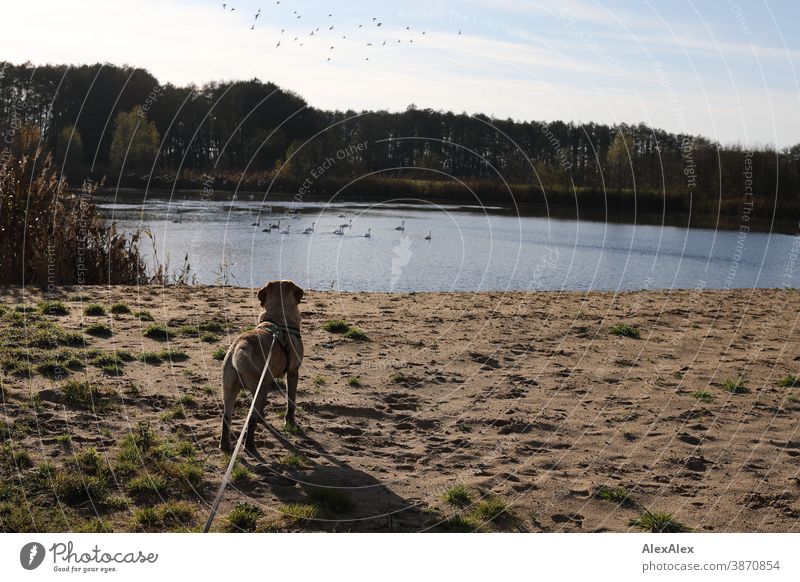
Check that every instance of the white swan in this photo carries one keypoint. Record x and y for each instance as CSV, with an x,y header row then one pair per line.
x,y
401,227
346,225
338,231
310,229
429,235
278,226
257,222
367,234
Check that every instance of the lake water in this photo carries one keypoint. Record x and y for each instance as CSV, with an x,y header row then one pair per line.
x,y
470,249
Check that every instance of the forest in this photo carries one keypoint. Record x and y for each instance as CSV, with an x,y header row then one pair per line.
x,y
122,126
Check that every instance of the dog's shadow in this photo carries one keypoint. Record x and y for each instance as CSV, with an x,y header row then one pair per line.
x,y
347,498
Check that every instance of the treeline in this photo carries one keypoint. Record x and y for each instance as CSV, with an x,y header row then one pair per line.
x,y
120,122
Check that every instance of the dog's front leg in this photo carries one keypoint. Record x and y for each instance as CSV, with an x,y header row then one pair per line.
x,y
291,395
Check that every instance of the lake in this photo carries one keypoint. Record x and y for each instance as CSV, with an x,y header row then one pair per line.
x,y
470,248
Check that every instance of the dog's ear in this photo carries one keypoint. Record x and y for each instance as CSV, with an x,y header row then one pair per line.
x,y
298,292
262,293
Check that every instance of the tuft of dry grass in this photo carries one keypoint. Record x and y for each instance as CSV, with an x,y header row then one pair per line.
x,y
37,208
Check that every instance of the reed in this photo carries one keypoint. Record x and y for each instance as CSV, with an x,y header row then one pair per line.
x,y
50,236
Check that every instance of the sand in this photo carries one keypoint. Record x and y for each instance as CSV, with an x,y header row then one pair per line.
x,y
527,400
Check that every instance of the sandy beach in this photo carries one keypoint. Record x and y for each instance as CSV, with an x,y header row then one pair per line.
x,y
528,401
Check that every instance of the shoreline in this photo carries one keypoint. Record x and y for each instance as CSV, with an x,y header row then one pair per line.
x,y
526,399
557,211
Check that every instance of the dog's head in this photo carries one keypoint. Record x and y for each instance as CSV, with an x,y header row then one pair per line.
x,y
281,297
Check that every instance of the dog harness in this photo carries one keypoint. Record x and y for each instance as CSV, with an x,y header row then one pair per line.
x,y
279,332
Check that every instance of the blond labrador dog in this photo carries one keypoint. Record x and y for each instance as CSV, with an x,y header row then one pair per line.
x,y
247,356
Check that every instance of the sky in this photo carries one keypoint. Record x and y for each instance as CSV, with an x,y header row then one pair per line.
x,y
725,69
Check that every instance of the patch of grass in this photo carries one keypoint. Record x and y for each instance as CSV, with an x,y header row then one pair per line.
x,y
243,517
157,331
187,400
185,449
91,462
25,308
292,428
187,330
119,308
300,510
188,475
457,495
94,310
212,326
625,330
53,368
150,357
12,458
209,337
174,354
147,484
164,517
398,377
703,395
330,500
95,525
336,326
64,439
109,362
219,354
319,380
146,519
45,470
73,339
143,316
292,460
461,524
174,413
357,335
618,495
354,381
789,381
74,489
136,447
78,394
99,330
44,335
489,509
241,474
735,386
659,522
53,308
176,511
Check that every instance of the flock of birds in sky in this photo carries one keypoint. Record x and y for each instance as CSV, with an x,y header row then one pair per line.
x,y
330,32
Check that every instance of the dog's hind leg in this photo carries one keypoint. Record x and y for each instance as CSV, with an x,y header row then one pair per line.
x,y
291,396
258,415
231,385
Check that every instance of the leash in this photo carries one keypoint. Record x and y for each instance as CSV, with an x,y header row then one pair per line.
x,y
227,476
